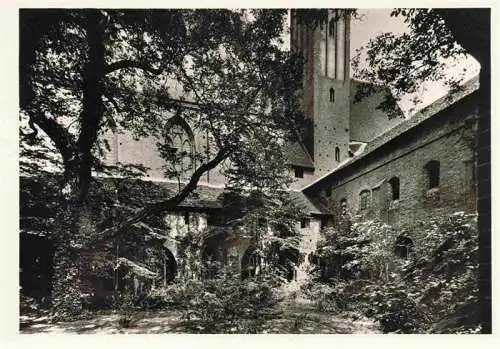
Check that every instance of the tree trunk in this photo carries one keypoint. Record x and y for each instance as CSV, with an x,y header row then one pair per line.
x,y
73,289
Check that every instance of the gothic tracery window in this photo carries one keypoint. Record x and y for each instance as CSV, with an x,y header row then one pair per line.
x,y
181,141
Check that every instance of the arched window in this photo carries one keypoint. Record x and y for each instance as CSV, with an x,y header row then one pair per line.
x,y
403,247
343,206
213,255
180,140
331,27
332,95
364,199
337,154
169,267
251,263
394,183
432,169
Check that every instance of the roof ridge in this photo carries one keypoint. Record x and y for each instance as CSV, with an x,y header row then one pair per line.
x,y
433,109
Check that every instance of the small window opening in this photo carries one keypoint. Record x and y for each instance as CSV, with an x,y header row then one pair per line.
x,y
331,27
337,154
403,247
299,173
332,95
304,222
394,183
186,217
324,222
432,169
328,191
343,206
364,197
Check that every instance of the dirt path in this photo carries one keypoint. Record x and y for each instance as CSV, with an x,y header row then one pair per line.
x,y
302,317
293,316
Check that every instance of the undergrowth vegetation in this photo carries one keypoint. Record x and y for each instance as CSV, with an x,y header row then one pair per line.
x,y
224,304
433,288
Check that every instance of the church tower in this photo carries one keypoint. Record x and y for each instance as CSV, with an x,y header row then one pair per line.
x,y
326,86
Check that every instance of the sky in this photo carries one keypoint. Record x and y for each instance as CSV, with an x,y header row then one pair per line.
x,y
377,21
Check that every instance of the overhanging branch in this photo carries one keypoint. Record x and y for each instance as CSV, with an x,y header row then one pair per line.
x,y
129,63
57,134
164,205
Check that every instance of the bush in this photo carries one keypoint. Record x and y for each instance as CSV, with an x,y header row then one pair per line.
x,y
328,297
393,306
436,292
222,305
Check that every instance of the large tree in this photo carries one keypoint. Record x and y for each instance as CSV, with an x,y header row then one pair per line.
x,y
86,73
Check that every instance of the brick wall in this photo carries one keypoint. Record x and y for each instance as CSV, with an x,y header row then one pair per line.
x,y
446,137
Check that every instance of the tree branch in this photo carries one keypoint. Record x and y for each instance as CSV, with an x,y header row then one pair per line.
x,y
57,134
164,205
129,63
200,103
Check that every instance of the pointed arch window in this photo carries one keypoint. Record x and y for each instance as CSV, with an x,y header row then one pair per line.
x,y
332,95
180,140
364,200
394,185
337,154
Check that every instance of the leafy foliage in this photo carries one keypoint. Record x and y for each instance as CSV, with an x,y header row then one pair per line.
x,y
403,61
430,292
220,305
86,74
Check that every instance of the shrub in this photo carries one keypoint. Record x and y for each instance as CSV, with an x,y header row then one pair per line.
x,y
436,292
225,304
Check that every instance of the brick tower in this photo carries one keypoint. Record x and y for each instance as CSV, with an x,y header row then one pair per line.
x,y
326,86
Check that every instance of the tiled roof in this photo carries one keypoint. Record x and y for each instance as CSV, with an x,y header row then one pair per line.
x,y
301,200
425,114
418,118
206,196
203,197
298,155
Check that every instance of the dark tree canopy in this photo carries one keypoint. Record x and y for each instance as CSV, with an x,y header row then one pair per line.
x,y
85,73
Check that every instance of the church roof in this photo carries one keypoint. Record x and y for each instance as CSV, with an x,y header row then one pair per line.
x,y
298,155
